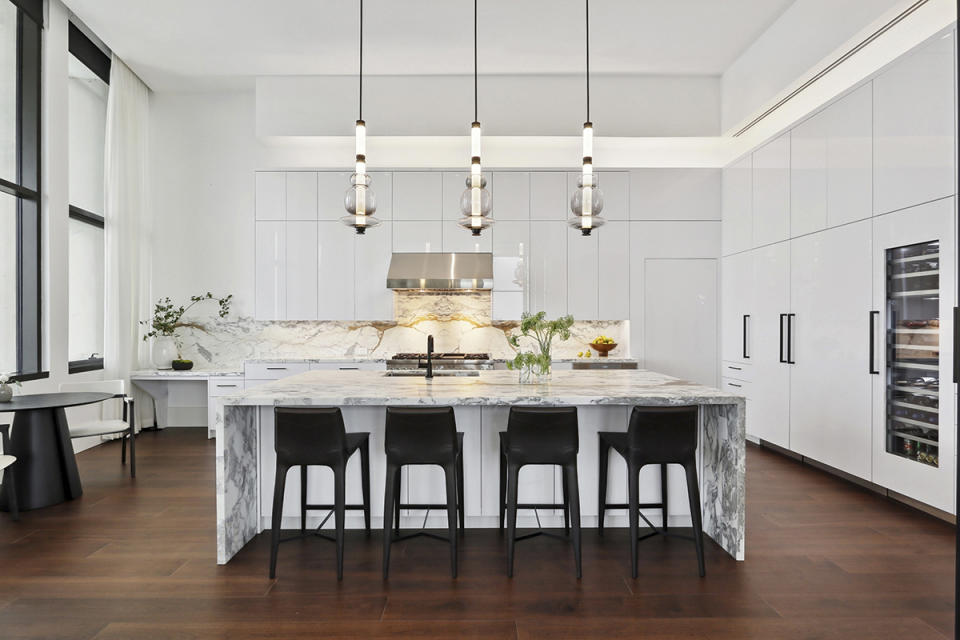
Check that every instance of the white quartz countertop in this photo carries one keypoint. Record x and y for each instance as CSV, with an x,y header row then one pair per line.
x,y
153,374
374,388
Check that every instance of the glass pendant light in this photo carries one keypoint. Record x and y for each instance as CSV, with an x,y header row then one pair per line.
x,y
475,202
359,200
587,201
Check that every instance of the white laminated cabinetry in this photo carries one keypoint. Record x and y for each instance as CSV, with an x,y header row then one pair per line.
x,y
770,373
913,128
736,277
270,257
771,192
827,342
737,206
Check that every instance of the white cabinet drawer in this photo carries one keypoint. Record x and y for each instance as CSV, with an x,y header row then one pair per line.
x,y
273,370
348,366
224,385
737,370
739,387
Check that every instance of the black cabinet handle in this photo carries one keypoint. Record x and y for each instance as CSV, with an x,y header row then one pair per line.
x,y
790,317
734,384
873,340
226,385
349,368
730,366
956,344
745,318
276,368
782,359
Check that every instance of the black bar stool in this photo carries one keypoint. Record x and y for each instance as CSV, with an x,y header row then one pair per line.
x,y
542,435
422,435
565,505
316,436
656,435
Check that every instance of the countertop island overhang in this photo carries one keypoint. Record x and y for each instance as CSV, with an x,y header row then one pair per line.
x,y
245,470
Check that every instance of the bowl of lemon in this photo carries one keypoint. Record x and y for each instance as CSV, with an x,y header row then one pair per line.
x,y
603,345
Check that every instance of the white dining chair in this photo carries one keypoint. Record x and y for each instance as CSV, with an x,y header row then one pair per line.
x,y
8,483
106,426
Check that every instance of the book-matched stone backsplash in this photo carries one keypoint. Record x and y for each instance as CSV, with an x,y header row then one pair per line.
x,y
458,320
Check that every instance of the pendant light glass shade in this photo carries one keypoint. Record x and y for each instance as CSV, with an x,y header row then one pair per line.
x,y
586,203
475,201
360,200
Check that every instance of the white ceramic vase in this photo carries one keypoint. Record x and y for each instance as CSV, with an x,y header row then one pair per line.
x,y
6,392
164,351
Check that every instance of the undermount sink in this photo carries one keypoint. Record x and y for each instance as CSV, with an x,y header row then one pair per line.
x,y
422,373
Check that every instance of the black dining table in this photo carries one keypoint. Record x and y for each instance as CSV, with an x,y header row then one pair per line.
x,y
46,467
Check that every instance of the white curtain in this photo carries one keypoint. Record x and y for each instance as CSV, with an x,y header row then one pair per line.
x,y
127,227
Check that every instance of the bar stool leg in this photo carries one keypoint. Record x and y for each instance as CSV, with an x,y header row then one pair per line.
x,y
503,488
396,504
460,507
340,511
303,499
663,494
602,502
451,473
693,491
390,495
566,501
633,502
278,487
365,481
513,471
573,491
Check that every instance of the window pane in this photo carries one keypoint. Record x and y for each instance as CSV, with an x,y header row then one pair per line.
x,y
88,118
8,91
86,290
8,283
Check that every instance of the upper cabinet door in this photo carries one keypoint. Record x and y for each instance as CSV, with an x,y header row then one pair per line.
x,y
371,262
615,186
548,267
913,128
548,196
454,184
850,158
808,176
418,237
676,194
270,257
336,268
271,195
331,192
417,195
300,269
511,196
456,239
582,273
381,182
613,283
737,199
771,192
302,195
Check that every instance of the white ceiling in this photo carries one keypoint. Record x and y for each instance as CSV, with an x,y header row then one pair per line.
x,y
193,44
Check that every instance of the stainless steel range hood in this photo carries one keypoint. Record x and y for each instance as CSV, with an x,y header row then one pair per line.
x,y
440,271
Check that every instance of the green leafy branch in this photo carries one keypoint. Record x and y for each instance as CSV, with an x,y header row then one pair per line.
x,y
167,317
542,331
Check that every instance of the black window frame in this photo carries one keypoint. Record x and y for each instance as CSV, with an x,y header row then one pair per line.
x,y
26,188
91,56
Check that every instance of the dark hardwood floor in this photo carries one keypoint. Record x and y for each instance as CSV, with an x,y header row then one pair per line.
x,y
136,559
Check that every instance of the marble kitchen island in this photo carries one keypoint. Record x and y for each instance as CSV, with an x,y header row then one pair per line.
x,y
245,454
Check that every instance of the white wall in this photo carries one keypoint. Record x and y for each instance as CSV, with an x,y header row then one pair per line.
x,y
509,105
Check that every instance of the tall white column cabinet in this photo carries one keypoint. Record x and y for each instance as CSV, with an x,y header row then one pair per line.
x,y
839,251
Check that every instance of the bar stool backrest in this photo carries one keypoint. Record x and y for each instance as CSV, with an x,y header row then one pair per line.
x,y
543,435
421,435
663,434
309,435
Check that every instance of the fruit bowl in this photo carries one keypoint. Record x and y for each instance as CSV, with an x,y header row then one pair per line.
x,y
603,349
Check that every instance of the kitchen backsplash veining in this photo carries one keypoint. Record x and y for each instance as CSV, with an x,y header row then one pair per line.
x,y
458,321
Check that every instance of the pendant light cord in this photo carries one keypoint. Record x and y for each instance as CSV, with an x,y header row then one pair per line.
x,y
475,102
360,106
588,58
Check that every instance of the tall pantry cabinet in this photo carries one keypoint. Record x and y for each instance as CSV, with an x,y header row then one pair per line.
x,y
834,333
